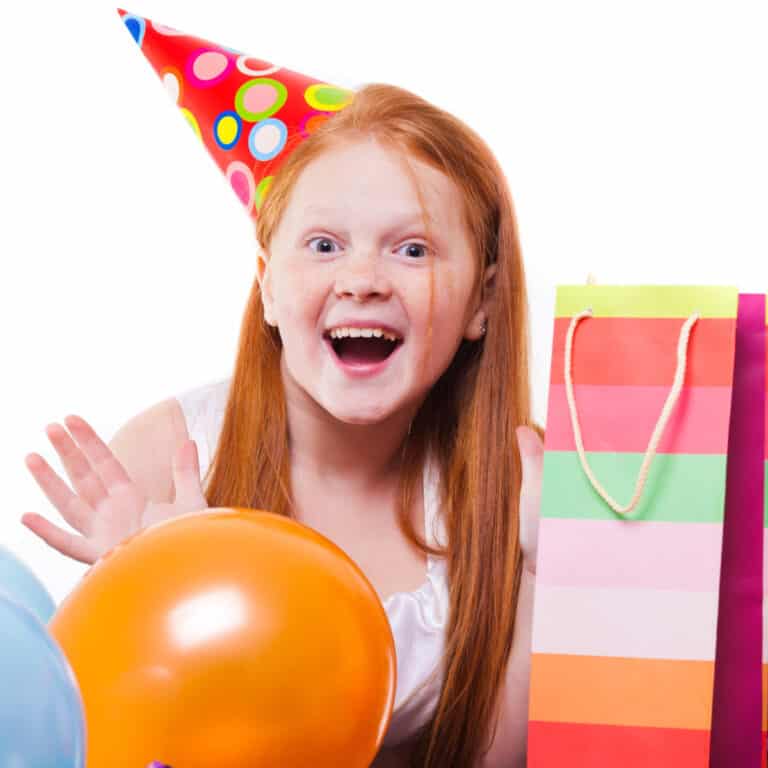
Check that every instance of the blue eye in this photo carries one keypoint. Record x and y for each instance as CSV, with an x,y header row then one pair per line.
x,y
424,249
325,240
326,245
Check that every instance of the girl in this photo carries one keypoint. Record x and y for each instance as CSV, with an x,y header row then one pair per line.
x,y
381,381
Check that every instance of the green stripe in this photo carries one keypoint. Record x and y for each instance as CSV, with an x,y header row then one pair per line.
x,y
681,487
647,300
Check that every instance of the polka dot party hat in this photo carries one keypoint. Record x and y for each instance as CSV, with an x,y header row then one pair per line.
x,y
250,114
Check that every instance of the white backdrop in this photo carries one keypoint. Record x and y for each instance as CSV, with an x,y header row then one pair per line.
x,y
634,136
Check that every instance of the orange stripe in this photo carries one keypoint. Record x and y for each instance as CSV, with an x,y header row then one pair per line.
x,y
643,351
657,693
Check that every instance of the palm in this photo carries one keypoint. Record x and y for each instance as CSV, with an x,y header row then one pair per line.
x,y
116,516
107,506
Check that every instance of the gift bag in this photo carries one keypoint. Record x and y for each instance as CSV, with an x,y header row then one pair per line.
x,y
647,626
765,564
737,708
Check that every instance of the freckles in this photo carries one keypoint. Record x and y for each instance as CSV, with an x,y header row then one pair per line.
x,y
450,282
450,289
295,284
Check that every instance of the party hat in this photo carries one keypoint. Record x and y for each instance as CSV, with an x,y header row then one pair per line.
x,y
249,113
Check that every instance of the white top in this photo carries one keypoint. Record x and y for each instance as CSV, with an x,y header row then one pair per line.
x,y
418,619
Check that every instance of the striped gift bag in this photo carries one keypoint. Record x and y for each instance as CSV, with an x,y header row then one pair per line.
x,y
765,563
630,664
736,716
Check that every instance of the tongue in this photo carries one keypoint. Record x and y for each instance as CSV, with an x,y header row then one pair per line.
x,y
362,350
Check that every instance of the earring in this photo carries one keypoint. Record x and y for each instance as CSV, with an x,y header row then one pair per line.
x,y
483,328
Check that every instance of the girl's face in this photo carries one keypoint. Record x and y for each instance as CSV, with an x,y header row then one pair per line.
x,y
351,250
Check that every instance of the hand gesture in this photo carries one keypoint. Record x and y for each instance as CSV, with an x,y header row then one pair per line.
x,y
532,456
107,506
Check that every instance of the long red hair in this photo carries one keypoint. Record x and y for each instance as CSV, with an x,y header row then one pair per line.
x,y
468,419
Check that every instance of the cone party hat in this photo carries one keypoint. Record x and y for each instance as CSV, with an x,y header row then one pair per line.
x,y
250,114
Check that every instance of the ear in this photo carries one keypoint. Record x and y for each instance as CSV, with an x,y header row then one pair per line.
x,y
474,331
264,277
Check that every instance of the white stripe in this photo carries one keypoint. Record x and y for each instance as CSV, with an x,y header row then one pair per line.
x,y
633,623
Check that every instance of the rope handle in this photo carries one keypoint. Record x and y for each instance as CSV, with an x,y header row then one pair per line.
x,y
661,424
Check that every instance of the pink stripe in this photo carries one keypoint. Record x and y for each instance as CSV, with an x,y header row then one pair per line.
x,y
624,554
622,419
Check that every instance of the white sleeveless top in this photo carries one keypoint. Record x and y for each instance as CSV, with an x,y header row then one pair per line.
x,y
418,619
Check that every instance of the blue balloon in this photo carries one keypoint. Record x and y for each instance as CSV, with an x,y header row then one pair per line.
x,y
42,724
19,583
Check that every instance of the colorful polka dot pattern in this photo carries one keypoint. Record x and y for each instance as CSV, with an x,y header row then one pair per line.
x,y
260,98
267,138
136,26
249,113
172,80
227,128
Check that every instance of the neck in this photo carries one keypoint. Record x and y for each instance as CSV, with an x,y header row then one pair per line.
x,y
364,457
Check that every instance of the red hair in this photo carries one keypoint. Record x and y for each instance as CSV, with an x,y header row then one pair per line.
x,y
468,418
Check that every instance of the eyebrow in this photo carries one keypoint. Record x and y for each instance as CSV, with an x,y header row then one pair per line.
x,y
403,222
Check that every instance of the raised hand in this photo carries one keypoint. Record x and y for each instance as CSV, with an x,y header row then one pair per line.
x,y
106,506
532,456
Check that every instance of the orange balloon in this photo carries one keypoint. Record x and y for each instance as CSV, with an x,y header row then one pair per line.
x,y
229,638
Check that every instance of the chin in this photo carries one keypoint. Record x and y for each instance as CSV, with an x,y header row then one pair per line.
x,y
361,420
362,416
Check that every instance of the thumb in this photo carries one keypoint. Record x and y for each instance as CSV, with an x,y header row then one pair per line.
x,y
532,459
186,475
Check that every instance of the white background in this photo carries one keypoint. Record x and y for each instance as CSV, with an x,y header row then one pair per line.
x,y
634,136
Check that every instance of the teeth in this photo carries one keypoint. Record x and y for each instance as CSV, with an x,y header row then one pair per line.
x,y
343,333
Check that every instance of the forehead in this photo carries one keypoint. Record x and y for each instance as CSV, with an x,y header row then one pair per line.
x,y
372,183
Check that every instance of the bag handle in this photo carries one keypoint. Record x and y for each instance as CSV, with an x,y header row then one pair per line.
x,y
661,424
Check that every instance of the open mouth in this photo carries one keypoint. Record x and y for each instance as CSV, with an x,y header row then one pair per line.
x,y
361,350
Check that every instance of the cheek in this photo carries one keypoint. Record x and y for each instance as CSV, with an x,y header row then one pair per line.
x,y
298,300
449,301
451,296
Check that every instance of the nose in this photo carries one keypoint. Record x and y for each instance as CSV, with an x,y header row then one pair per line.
x,y
359,276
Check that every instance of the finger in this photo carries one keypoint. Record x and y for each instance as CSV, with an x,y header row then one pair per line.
x,y
68,544
186,475
110,471
532,459
84,479
70,506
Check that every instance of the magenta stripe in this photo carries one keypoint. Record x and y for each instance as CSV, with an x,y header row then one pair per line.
x,y
629,554
737,704
765,583
622,419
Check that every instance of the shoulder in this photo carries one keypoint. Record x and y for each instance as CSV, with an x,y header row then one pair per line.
x,y
146,443
203,401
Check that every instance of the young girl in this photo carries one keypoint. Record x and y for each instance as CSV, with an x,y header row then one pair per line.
x,y
380,389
